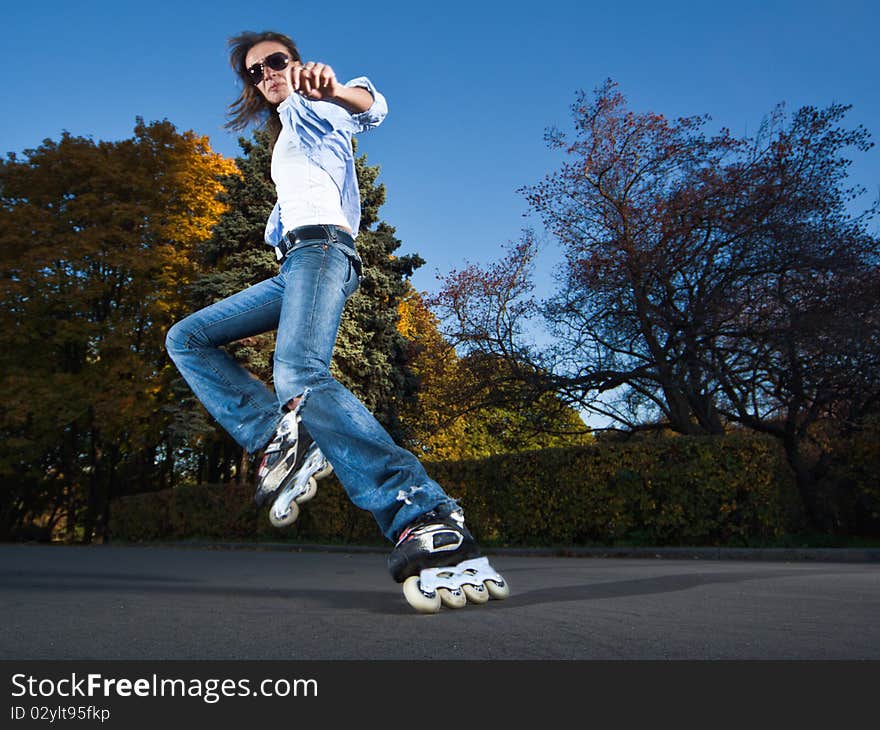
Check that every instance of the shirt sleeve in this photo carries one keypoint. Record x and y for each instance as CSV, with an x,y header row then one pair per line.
x,y
274,231
311,120
373,116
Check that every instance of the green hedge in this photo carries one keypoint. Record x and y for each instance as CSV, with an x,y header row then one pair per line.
x,y
735,490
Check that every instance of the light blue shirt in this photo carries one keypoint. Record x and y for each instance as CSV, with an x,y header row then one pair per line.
x,y
324,130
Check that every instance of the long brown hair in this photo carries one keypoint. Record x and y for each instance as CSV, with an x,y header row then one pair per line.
x,y
251,105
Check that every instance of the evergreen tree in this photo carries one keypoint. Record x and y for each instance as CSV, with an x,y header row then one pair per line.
x,y
234,258
372,357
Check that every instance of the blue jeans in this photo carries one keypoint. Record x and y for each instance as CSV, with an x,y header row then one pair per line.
x,y
304,303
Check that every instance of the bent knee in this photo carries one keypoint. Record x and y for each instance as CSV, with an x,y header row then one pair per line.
x,y
181,336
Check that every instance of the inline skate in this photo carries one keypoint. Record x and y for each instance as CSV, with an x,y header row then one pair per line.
x,y
291,466
439,564
285,509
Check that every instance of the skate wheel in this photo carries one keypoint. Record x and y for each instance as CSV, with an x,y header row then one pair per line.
x,y
452,599
498,591
476,594
412,591
311,491
288,518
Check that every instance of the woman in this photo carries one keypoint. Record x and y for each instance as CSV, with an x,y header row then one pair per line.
x,y
311,418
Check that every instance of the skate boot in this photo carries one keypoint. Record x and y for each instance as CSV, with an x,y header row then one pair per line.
x,y
285,509
283,458
439,563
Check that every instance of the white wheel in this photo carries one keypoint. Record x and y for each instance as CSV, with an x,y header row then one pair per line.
x,y
412,591
476,594
288,518
499,591
311,491
452,599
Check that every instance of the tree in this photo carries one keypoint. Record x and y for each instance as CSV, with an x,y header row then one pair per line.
x,y
232,259
371,357
454,415
708,281
96,245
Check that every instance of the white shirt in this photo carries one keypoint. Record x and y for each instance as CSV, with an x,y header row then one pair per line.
x,y
307,194
324,131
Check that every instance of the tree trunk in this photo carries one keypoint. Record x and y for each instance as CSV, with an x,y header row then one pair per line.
x,y
819,514
241,474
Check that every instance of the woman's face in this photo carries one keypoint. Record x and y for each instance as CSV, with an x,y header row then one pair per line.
x,y
273,85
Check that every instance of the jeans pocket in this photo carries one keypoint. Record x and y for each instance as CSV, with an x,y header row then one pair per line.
x,y
352,279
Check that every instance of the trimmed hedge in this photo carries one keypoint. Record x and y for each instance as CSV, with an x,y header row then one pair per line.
x,y
734,490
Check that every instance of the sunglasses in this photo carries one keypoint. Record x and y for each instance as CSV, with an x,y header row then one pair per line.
x,y
276,61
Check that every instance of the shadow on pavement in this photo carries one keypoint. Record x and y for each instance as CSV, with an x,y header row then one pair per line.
x,y
385,601
640,587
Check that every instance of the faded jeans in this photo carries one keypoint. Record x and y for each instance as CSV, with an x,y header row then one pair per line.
x,y
304,303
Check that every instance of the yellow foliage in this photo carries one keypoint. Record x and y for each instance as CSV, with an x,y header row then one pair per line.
x,y
195,173
98,242
442,426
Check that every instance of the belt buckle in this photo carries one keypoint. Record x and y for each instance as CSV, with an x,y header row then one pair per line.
x,y
289,242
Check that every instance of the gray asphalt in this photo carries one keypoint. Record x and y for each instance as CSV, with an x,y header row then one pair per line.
x,y
161,603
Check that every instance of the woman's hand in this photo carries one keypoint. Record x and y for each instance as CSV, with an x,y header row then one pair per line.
x,y
317,81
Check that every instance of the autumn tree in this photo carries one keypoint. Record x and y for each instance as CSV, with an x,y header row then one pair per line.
x,y
707,280
457,414
97,243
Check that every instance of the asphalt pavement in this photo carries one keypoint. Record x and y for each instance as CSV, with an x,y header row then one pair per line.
x,y
211,602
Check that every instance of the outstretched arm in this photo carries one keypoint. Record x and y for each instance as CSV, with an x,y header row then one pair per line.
x,y
317,81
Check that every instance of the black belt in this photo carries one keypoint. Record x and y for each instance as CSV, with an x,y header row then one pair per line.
x,y
313,234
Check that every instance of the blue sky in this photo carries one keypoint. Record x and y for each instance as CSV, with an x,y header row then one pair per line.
x,y
471,86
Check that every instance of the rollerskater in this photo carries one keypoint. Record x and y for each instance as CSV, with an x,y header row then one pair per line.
x,y
311,424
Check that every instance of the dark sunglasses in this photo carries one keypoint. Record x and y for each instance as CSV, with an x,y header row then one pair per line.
x,y
276,61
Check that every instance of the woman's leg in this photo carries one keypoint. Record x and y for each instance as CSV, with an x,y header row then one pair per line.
x,y
243,405
377,474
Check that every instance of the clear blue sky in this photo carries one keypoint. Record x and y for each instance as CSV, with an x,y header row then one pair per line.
x,y
471,86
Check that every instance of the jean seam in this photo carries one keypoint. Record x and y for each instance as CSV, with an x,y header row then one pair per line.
x,y
311,325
